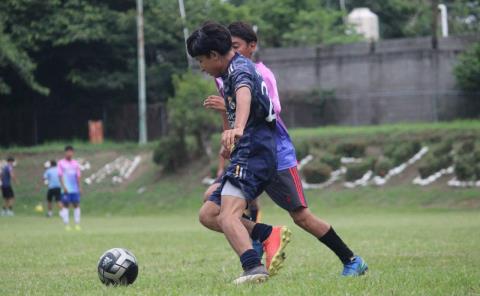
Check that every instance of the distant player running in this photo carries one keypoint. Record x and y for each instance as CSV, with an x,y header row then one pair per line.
x,y
8,174
286,188
69,173
249,138
54,187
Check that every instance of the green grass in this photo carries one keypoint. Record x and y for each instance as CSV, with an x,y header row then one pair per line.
x,y
409,253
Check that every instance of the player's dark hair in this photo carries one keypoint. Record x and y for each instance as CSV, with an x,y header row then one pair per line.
x,y
53,163
210,37
243,31
69,148
10,159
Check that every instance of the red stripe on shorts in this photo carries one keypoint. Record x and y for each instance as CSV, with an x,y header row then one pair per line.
x,y
298,185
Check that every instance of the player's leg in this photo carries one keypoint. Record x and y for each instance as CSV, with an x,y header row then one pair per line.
x,y
49,202
231,212
64,212
287,192
10,202
76,210
254,215
4,206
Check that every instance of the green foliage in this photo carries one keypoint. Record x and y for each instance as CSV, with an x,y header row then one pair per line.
x,y
401,152
171,153
321,26
442,149
466,147
302,149
351,149
355,171
382,166
330,159
187,116
432,164
467,71
465,167
316,172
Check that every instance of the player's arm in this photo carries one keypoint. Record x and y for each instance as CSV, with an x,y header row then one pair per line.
x,y
217,103
79,179
60,176
14,177
244,99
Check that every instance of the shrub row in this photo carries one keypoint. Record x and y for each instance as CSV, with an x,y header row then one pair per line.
x,y
401,152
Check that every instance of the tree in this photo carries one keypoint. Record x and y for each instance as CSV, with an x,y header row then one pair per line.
x,y
467,72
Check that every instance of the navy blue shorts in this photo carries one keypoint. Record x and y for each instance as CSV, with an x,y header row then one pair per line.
x,y
286,190
71,198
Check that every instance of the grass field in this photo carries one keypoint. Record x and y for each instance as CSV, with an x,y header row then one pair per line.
x,y
417,241
427,252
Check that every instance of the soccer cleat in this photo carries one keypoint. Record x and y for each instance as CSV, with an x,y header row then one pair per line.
x,y
356,267
68,228
274,247
4,213
10,213
254,275
77,227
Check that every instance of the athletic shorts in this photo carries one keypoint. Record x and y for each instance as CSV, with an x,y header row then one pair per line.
x,y
7,192
54,193
286,190
69,198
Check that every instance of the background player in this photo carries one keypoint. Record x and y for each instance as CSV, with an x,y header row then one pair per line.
x,y
69,173
8,175
286,188
54,192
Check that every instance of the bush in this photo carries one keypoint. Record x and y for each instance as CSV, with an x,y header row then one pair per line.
x,y
356,171
467,71
401,152
432,164
171,153
382,166
465,168
331,160
442,149
302,149
351,149
316,172
466,147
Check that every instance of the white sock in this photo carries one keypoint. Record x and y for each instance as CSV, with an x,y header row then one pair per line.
x,y
76,215
64,215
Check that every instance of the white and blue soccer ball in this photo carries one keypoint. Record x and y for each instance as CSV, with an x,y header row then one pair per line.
x,y
117,266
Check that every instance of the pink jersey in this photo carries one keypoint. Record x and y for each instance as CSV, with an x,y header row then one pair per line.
x,y
269,79
69,172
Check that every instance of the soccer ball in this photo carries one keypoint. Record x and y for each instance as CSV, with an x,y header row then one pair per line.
x,y
117,266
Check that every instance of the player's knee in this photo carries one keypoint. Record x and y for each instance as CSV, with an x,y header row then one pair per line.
x,y
301,216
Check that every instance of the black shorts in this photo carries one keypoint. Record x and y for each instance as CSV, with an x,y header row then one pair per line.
x,y
54,193
7,192
286,190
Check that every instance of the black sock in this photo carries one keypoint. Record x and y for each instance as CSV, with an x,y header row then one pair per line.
x,y
254,214
10,208
250,259
335,243
261,232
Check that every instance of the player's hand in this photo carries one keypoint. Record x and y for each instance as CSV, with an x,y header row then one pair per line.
x,y
229,137
215,103
65,190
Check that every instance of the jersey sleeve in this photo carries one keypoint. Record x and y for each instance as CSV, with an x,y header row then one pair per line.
x,y
273,91
241,77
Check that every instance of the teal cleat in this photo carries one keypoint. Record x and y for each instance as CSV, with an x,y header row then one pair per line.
x,y
356,267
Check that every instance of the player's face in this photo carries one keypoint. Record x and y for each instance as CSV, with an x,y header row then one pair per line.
x,y
242,47
211,65
69,154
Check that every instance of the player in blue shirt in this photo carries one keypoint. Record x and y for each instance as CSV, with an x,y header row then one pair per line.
x,y
54,187
7,175
248,140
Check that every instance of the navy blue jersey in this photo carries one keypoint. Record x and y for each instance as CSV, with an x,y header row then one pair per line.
x,y
7,176
253,160
243,73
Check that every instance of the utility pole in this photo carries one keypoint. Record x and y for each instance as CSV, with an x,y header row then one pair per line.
x,y
142,105
434,24
183,16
